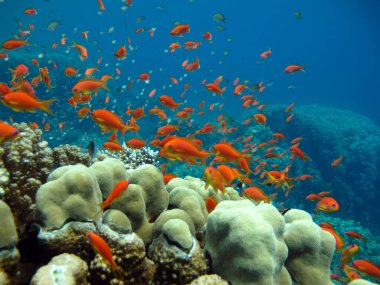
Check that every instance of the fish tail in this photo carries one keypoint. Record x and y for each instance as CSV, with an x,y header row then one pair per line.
x,y
104,84
102,205
45,106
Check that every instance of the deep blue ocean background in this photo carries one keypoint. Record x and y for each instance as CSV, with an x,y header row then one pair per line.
x,y
337,41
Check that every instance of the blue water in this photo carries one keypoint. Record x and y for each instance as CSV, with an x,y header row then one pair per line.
x,y
336,41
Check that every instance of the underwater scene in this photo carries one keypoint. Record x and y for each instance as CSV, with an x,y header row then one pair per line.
x,y
189,142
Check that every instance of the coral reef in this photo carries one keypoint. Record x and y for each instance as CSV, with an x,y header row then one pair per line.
x,y
310,249
71,192
209,280
9,254
177,254
329,133
25,163
361,282
132,158
64,269
251,236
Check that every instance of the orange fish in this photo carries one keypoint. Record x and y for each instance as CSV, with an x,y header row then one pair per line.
x,y
83,112
327,205
100,246
294,68
14,44
166,130
353,234
101,5
214,179
168,101
44,74
174,46
179,30
289,118
260,119
144,77
266,54
7,132
90,71
121,53
289,108
191,66
83,54
348,253
20,71
339,241
89,85
109,121
337,161
135,143
239,89
21,101
30,11
70,71
258,194
119,188
207,36
299,153
367,267
112,146
211,204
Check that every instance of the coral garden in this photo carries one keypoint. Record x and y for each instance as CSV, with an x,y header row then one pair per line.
x,y
158,234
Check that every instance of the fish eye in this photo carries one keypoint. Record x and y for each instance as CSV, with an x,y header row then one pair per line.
x,y
16,132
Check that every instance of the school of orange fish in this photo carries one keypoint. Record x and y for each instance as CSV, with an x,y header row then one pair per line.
x,y
224,164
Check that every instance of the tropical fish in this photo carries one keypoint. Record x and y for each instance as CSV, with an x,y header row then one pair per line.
x,y
337,161
89,85
14,44
20,101
219,17
135,143
109,121
7,132
294,68
327,205
100,246
119,188
211,204
257,195
367,267
180,29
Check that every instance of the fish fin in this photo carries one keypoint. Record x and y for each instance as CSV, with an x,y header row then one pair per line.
x,y
45,106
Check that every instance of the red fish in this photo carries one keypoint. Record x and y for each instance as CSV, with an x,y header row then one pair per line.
x,y
21,101
7,132
266,54
179,30
294,68
207,36
100,246
337,161
211,204
119,188
14,44
327,205
367,267
121,53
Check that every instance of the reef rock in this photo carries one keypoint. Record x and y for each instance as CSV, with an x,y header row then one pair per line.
x,y
72,192
177,254
310,249
64,269
246,243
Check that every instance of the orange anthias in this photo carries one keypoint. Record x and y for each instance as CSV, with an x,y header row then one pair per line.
x,y
257,194
21,101
119,188
100,246
109,121
327,205
367,267
179,30
7,132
